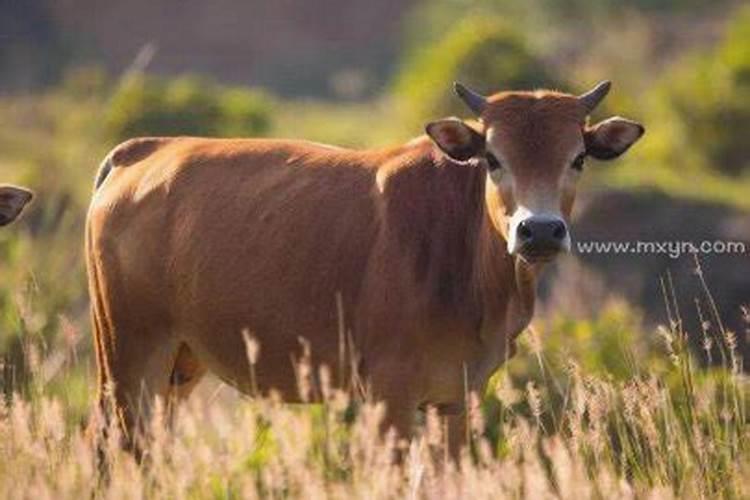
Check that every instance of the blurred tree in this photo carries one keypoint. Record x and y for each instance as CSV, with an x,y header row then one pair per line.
x,y
186,106
482,52
705,102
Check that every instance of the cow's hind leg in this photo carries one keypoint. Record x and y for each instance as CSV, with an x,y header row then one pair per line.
x,y
134,360
136,366
135,349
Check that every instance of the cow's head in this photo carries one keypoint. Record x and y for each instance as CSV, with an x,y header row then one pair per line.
x,y
533,146
12,201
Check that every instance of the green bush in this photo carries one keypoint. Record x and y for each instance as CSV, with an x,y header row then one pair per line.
x,y
484,53
705,104
186,106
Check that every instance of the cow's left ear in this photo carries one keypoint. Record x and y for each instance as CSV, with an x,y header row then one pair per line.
x,y
610,138
455,138
12,201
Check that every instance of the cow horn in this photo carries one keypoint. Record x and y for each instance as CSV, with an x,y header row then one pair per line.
x,y
476,102
593,97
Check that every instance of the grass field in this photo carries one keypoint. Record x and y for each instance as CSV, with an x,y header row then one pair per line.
x,y
596,404
594,407
590,409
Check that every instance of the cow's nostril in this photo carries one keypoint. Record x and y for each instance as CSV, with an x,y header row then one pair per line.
x,y
559,232
524,231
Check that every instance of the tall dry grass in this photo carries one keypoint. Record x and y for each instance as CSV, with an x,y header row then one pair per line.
x,y
666,430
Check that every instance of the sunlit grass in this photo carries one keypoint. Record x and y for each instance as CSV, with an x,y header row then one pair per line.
x,y
581,412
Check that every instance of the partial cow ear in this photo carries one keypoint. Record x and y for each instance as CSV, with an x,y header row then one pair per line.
x,y
12,201
612,137
456,139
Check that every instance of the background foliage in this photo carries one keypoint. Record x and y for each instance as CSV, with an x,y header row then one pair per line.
x,y
186,106
682,67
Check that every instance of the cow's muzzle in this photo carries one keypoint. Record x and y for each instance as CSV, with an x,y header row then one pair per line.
x,y
540,238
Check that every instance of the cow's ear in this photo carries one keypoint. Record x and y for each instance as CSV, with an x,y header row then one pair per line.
x,y
12,201
610,138
455,138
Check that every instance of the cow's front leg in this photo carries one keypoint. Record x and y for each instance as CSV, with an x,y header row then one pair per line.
x,y
401,404
400,417
458,423
457,433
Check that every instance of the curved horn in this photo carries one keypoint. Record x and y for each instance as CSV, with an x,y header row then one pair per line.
x,y
593,97
476,102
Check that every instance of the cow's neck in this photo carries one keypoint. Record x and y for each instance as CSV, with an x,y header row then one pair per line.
x,y
437,212
506,287
433,211
505,290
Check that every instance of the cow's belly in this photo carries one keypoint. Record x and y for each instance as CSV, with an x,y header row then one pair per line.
x,y
274,371
286,324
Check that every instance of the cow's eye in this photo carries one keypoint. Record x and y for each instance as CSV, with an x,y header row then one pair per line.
x,y
578,162
492,162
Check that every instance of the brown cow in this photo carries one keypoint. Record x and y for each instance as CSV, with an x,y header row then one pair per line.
x,y
431,248
12,201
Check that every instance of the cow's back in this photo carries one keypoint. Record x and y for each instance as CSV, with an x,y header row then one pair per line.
x,y
214,237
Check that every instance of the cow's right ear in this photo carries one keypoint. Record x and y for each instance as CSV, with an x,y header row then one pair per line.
x,y
12,201
456,139
612,137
